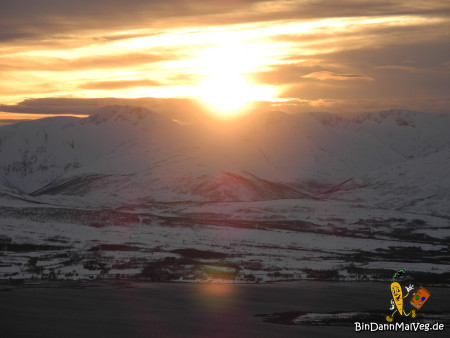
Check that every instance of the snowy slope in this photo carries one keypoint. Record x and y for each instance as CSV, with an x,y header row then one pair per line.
x,y
410,133
34,153
421,185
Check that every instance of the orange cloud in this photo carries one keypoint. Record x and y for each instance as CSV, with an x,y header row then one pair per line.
x,y
412,69
307,50
325,75
121,84
31,63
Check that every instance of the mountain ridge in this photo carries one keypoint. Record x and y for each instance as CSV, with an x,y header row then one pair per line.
x,y
121,154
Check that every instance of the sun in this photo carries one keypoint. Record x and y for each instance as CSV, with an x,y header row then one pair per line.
x,y
225,88
227,94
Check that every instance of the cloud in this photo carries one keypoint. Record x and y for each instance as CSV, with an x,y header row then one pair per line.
x,y
30,18
337,49
411,69
191,110
347,107
429,104
185,79
11,118
45,17
75,106
31,63
284,73
345,34
325,75
181,109
121,84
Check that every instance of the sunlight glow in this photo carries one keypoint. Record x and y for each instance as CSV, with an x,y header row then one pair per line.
x,y
227,93
225,88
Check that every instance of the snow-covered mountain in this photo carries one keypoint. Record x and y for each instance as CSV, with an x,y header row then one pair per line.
x,y
420,185
122,155
410,133
34,153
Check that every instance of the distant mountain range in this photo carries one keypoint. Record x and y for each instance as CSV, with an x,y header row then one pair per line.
x,y
123,155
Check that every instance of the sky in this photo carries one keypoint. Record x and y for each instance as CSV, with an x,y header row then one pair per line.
x,y
69,57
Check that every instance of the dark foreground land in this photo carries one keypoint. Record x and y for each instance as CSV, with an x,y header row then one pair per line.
x,y
123,309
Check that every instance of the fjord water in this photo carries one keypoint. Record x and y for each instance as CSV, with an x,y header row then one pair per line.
x,y
191,310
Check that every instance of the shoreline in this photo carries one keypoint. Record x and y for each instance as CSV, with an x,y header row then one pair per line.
x,y
86,283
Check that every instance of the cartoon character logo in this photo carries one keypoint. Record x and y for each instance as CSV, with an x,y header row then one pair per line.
x,y
397,298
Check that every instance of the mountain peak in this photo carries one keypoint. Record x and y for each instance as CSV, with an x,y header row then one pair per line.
x,y
328,119
132,114
401,117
